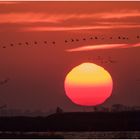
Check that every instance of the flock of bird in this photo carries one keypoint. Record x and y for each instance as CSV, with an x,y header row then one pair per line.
x,y
103,61
99,58
69,41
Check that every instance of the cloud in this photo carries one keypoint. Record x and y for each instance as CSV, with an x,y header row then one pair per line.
x,y
120,14
69,28
60,18
43,21
102,46
26,18
8,2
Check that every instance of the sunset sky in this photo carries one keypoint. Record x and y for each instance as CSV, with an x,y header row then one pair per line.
x,y
40,42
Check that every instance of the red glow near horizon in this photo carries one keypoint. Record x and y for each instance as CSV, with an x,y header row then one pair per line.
x,y
88,85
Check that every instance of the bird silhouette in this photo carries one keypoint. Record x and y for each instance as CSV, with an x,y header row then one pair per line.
x,y
4,47
77,39
112,61
26,43
138,37
11,44
66,41
96,37
45,42
72,40
4,81
53,42
105,61
35,42
119,37
99,57
84,39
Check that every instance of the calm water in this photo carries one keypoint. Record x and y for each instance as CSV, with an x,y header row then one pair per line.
x,y
109,134
86,135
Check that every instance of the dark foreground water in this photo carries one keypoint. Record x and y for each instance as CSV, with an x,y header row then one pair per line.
x,y
73,135
109,134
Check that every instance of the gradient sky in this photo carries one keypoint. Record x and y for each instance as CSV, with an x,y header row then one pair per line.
x,y
37,71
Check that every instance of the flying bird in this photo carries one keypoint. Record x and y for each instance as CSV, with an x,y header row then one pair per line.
x,y
26,43
45,42
72,40
35,42
53,42
11,44
4,81
105,61
99,57
112,61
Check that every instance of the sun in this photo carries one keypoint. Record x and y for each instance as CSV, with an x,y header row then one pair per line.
x,y
88,84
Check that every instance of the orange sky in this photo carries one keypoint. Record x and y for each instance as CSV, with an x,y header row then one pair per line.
x,y
56,16
37,71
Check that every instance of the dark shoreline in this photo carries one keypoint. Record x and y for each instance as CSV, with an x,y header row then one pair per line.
x,y
74,121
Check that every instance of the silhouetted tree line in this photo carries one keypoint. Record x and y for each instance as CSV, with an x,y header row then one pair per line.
x,y
74,121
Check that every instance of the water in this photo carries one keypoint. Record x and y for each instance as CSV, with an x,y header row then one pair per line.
x,y
104,134
81,135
